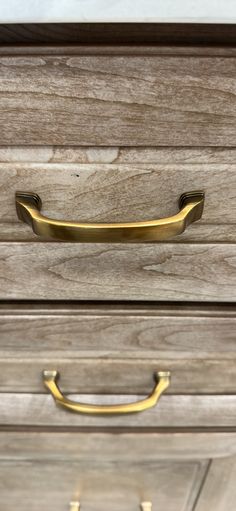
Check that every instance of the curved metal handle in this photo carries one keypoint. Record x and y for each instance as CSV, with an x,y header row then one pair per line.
x,y
28,206
163,382
144,506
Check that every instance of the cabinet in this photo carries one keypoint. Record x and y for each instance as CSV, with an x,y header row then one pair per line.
x,y
107,135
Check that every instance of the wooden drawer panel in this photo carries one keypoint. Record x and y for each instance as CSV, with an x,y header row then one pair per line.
x,y
127,330
111,193
189,375
121,193
100,486
181,411
131,446
119,99
110,354
180,272
118,472
117,349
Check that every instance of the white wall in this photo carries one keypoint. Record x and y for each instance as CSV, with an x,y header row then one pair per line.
x,y
36,11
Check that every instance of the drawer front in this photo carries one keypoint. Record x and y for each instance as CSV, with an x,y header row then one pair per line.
x,y
110,356
104,471
121,193
118,99
99,486
181,411
173,272
120,374
198,268
117,350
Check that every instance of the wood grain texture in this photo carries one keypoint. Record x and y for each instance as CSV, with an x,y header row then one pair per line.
x,y
118,49
118,100
118,349
117,33
133,446
180,272
204,374
219,490
121,193
117,331
118,155
182,411
34,454
101,486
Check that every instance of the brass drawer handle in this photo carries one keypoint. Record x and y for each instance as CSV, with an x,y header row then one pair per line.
x,y
144,506
163,382
28,206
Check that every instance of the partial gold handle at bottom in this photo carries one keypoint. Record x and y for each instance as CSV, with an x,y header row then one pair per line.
x,y
163,382
74,506
144,506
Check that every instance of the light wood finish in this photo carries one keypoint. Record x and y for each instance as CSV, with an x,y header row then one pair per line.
x,y
171,412
191,272
127,375
125,467
219,490
79,446
118,49
100,486
64,114
117,331
118,155
118,100
220,158
118,349
120,193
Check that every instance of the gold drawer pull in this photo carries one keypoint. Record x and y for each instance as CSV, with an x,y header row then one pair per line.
x,y
144,506
28,206
163,382
74,506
